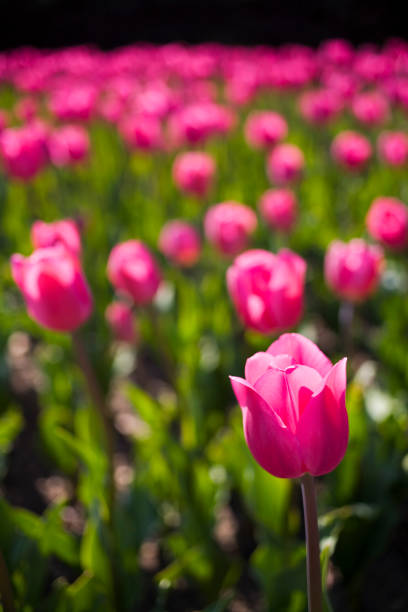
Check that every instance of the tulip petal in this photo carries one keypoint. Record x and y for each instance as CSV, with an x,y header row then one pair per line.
x,y
274,389
303,383
272,445
303,351
323,427
258,364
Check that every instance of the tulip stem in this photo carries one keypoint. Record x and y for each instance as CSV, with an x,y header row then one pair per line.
x,y
6,592
314,577
99,402
346,317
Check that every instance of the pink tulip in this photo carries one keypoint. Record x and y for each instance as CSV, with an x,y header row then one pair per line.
x,y
74,102
285,164
370,108
193,172
264,129
120,318
387,221
142,133
68,144
320,106
180,242
393,148
132,270
23,151
229,225
267,289
60,232
351,149
278,208
353,270
54,288
293,407
336,51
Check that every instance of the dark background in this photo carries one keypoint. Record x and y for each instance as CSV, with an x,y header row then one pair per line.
x,y
109,23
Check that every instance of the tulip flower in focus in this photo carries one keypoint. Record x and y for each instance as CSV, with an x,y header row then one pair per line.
x,y
267,289
285,164
351,150
193,172
387,221
393,148
278,208
68,144
293,408
59,232
228,226
132,270
54,288
265,129
120,318
353,270
180,242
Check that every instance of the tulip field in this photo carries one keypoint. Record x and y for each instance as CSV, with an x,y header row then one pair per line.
x,y
204,328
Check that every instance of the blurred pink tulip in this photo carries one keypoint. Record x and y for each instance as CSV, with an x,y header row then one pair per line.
x,y
320,106
59,232
133,271
54,288
285,164
263,129
371,108
121,320
293,407
351,149
180,242
141,132
68,144
267,289
393,148
353,270
228,226
387,221
193,172
278,208
23,151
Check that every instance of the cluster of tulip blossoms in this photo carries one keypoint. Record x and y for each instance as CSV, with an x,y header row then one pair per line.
x,y
163,99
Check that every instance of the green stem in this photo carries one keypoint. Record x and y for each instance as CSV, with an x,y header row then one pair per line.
x,y
314,577
99,403
6,592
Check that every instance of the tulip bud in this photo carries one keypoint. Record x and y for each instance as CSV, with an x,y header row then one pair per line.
x,y
267,289
68,144
60,232
293,408
387,221
285,164
194,172
54,288
353,270
278,208
351,150
264,129
180,242
393,148
23,151
132,270
229,225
